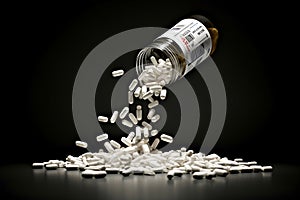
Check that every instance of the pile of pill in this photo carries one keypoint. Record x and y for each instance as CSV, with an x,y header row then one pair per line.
x,y
135,154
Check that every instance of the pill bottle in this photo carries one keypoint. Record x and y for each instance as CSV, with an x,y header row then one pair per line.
x,y
186,44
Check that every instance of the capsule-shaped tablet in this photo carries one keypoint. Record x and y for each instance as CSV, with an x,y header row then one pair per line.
x,y
267,168
142,75
133,84
166,138
145,148
137,92
153,104
130,97
138,133
126,141
151,113
51,166
199,175
150,99
133,118
37,165
155,143
154,132
146,132
153,60
115,144
112,170
100,174
256,168
147,125
127,123
124,112
144,90
131,136
139,112
81,144
235,169
102,119
126,172
238,159
102,137
221,172
117,73
155,88
155,118
71,167
170,174
108,147
114,117
163,94
210,175
147,95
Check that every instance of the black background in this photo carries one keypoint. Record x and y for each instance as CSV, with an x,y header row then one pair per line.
x,y
45,42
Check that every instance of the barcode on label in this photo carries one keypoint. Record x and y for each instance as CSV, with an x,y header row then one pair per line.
x,y
196,53
189,37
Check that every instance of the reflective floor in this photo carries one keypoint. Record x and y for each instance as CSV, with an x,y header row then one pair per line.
x,y
23,182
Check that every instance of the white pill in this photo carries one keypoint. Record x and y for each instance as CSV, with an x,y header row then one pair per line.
x,y
71,167
37,165
199,175
156,93
144,90
147,125
115,144
138,133
124,112
145,148
252,163
221,172
166,138
155,118
102,137
256,168
147,95
154,132
133,84
126,141
132,118
142,75
139,112
153,104
151,113
130,97
114,117
108,147
146,132
163,94
235,169
238,159
81,144
102,119
127,123
51,166
117,73
155,143
155,88
137,92
153,60
150,99
267,168
131,136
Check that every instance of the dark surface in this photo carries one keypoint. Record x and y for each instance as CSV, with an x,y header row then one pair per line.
x,y
22,182
45,43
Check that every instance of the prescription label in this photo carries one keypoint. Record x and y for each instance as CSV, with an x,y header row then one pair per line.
x,y
193,39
